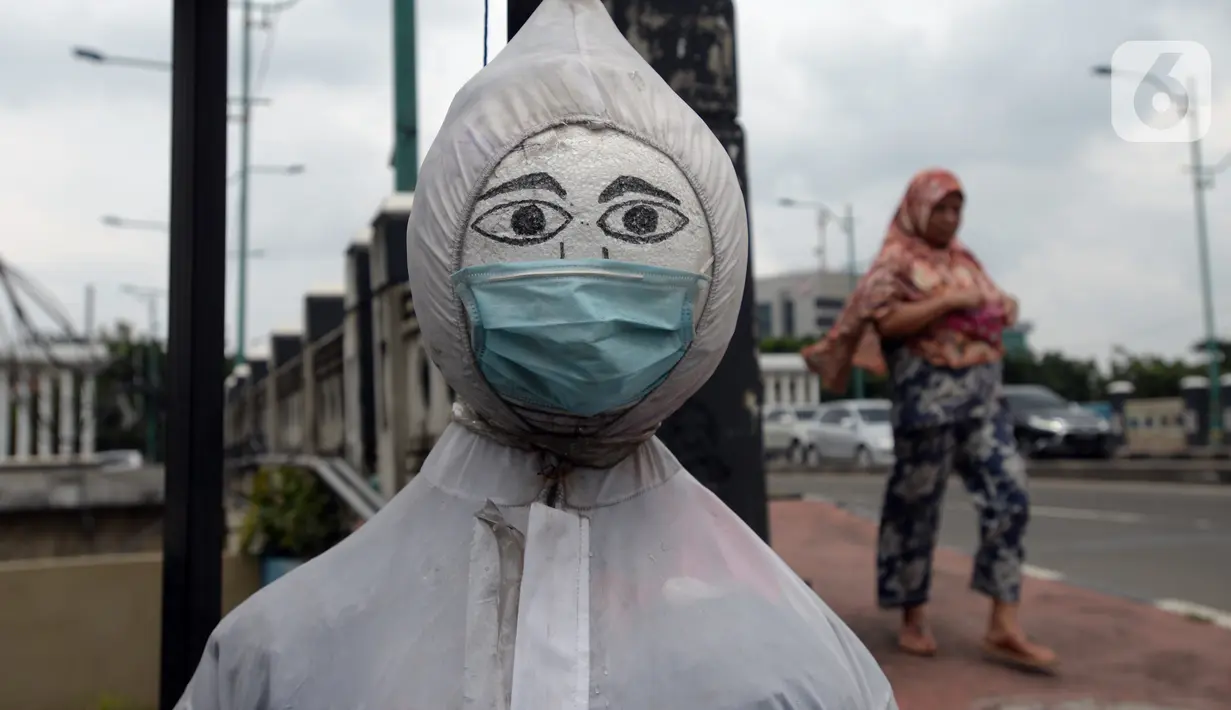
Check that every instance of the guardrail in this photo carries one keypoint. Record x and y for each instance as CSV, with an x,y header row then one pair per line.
x,y
352,391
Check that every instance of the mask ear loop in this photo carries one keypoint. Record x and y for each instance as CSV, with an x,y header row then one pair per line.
x,y
708,267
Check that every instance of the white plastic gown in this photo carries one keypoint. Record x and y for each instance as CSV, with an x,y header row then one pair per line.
x,y
484,585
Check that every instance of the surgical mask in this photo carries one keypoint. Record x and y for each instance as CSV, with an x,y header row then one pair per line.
x,y
577,336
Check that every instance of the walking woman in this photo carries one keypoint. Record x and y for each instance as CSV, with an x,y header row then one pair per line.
x,y
930,317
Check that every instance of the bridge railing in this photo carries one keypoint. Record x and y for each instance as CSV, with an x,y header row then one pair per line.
x,y
355,383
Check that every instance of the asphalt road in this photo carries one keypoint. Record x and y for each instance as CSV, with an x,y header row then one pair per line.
x,y
1168,544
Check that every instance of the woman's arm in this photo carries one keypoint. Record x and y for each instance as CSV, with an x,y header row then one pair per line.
x,y
908,318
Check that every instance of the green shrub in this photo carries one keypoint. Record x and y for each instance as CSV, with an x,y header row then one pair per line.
x,y
291,513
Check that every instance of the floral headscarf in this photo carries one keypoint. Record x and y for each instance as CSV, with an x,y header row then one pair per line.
x,y
910,269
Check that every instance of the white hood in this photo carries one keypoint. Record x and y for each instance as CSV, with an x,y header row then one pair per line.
x,y
568,65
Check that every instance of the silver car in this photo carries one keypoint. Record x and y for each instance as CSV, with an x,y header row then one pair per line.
x,y
853,430
785,431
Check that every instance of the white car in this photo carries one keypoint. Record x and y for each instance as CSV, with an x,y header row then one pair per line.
x,y
785,429
853,430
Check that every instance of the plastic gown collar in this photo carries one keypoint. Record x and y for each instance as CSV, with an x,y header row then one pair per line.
x,y
566,452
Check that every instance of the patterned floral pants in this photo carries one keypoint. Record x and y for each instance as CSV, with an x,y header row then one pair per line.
x,y
984,453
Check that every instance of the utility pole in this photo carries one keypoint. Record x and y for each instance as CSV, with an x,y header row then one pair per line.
x,y
847,222
848,226
245,131
822,247
405,98
1203,180
246,102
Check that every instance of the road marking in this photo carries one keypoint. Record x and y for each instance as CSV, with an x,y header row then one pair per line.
x,y
1196,611
1101,516
1049,575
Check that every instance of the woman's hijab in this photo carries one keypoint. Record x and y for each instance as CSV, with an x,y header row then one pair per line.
x,y
908,268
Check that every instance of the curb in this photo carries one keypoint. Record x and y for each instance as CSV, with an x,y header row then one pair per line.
x,y
1113,474
1198,613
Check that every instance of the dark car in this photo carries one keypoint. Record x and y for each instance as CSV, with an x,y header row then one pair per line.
x,y
1047,424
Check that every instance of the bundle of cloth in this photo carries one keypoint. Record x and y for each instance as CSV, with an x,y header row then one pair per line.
x,y
578,248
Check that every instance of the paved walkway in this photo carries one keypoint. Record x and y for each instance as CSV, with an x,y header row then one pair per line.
x,y
1115,654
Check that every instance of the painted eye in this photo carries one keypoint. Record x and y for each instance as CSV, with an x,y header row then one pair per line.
x,y
642,222
522,223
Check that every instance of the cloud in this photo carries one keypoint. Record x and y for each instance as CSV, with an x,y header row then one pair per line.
x,y
841,103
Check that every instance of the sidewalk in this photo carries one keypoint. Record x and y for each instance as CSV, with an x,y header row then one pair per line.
x,y
1112,651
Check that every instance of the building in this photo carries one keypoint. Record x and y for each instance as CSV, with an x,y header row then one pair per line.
x,y
1017,339
800,304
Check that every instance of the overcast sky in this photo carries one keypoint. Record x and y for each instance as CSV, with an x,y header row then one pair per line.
x,y
841,102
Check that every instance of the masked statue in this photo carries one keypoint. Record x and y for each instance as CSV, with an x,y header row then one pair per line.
x,y
578,248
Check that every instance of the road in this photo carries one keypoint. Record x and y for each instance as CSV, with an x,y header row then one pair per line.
x,y
1168,544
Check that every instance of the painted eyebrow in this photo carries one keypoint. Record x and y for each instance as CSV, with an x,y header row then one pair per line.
x,y
533,181
626,184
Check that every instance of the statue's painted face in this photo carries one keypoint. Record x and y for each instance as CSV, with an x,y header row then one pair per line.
x,y
573,192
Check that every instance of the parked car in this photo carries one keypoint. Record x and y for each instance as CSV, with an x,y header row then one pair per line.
x,y
783,429
1047,424
853,430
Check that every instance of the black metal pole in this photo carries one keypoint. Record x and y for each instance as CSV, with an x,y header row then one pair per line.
x,y
193,518
518,12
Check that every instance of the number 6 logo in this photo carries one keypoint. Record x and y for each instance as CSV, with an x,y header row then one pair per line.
x,y
1160,91
1161,101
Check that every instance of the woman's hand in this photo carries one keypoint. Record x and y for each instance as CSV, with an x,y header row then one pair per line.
x,y
964,299
1010,310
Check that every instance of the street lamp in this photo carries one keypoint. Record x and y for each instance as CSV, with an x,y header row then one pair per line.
x,y
150,225
156,226
294,169
847,223
1203,179
245,101
97,56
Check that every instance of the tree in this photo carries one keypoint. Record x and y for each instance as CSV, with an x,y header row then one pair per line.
x,y
1153,376
1076,380
130,403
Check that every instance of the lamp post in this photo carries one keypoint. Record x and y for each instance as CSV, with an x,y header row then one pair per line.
x,y
97,56
156,226
847,222
245,103
1203,179
151,225
293,169
242,262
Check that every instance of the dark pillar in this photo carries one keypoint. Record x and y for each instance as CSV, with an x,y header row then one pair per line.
x,y
1118,394
193,524
1195,393
359,297
715,434
322,314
